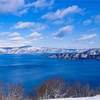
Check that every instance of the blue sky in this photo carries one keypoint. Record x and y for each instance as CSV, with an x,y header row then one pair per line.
x,y
50,23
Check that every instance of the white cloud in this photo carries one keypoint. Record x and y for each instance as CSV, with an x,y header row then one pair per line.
x,y
61,13
91,42
9,43
15,34
19,7
41,3
58,38
94,19
40,27
17,39
69,20
23,11
87,22
87,37
35,26
93,29
22,25
97,19
12,6
34,35
58,22
63,31
4,33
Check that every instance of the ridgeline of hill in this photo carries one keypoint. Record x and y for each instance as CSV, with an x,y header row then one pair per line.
x,y
87,54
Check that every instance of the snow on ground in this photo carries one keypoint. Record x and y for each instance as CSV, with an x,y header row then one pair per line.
x,y
81,98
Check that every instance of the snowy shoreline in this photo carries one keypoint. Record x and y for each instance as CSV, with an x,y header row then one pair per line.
x,y
97,97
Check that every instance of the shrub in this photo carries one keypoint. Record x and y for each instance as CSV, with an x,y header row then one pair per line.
x,y
52,88
16,91
58,88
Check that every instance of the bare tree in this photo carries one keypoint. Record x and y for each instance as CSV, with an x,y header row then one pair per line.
x,y
2,91
81,90
15,92
52,88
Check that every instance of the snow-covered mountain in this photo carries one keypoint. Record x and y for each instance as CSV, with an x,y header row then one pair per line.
x,y
32,49
85,54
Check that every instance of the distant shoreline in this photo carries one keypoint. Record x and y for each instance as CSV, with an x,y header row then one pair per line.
x,y
92,54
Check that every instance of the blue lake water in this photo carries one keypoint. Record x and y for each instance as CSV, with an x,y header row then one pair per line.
x,y
31,70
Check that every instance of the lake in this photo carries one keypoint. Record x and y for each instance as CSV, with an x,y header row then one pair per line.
x,y
32,69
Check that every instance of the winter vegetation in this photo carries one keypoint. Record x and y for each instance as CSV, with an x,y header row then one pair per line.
x,y
51,89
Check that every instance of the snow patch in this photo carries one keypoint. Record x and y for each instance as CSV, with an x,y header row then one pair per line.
x,y
80,98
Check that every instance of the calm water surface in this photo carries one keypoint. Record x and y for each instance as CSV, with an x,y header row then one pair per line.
x,y
31,70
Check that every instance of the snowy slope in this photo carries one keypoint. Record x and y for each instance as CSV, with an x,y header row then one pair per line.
x,y
32,49
81,98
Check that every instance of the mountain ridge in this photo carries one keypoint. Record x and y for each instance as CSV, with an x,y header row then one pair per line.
x,y
28,49
88,54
